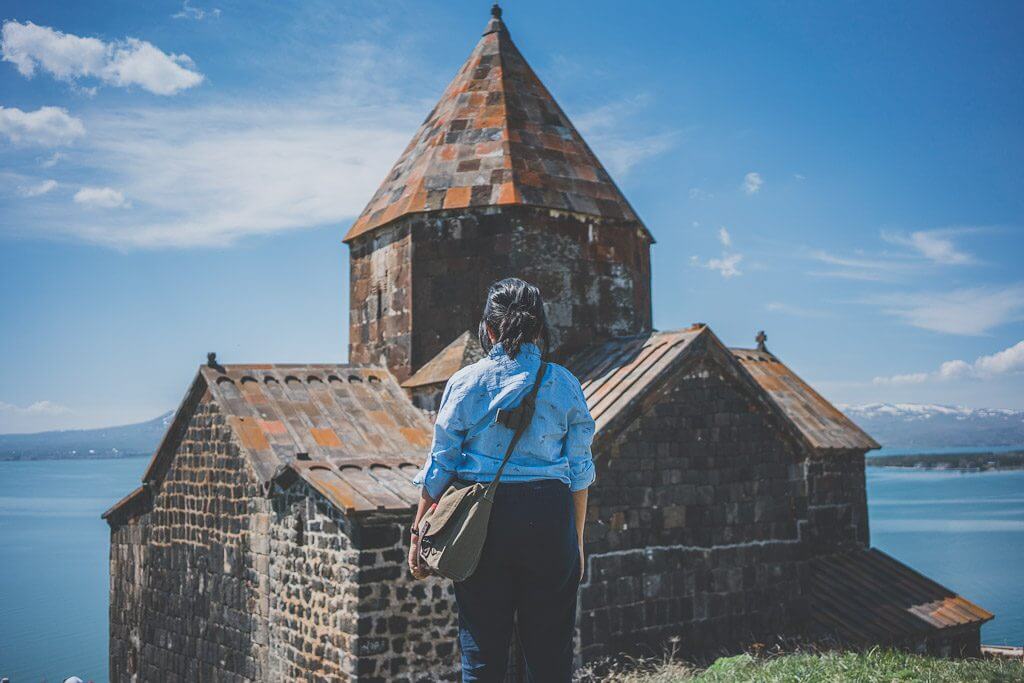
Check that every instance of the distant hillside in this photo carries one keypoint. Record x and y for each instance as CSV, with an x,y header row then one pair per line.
x,y
937,426
109,442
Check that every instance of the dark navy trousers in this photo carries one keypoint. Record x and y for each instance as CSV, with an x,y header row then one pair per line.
x,y
529,570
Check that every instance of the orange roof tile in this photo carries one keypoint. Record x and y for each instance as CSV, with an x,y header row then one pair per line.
x,y
498,115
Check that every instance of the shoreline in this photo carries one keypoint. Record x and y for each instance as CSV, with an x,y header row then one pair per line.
x,y
981,461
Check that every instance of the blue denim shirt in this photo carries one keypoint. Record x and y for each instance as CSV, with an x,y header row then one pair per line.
x,y
469,444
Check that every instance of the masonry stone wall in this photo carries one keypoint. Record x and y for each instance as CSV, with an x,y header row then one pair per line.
x,y
380,304
692,529
184,588
837,508
344,606
594,274
128,561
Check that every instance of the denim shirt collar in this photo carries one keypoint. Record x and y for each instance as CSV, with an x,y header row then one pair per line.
x,y
528,349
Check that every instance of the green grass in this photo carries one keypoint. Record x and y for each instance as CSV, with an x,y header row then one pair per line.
x,y
875,666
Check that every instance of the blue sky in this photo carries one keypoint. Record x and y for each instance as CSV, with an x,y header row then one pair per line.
x,y
176,178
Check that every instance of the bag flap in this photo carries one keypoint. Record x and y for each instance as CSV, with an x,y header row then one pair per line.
x,y
450,501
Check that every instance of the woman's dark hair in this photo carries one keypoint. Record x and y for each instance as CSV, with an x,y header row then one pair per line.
x,y
515,313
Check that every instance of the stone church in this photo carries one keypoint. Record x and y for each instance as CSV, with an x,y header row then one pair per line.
x,y
267,540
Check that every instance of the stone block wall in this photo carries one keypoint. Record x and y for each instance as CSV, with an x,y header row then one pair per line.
x,y
837,506
380,305
183,584
594,274
343,605
693,523
128,561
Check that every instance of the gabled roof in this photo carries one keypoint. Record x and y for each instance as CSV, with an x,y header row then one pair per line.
x,y
350,431
496,138
821,423
465,349
618,373
865,596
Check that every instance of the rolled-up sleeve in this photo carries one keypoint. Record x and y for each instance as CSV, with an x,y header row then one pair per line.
x,y
578,439
446,450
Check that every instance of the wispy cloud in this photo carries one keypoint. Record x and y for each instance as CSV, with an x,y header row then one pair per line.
x,y
936,246
39,408
37,189
189,11
878,268
51,160
967,311
46,126
752,182
724,237
727,266
700,194
797,311
1006,362
606,131
70,58
101,197
201,175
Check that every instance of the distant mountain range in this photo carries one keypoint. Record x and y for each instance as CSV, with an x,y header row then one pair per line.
x,y
937,426
141,438
908,425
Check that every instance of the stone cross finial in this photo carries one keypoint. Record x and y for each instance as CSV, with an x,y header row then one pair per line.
x,y
761,339
496,11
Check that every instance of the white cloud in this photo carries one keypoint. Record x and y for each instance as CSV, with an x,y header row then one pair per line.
x,y
934,245
1002,362
800,177
188,11
212,173
37,189
724,237
912,378
101,197
39,408
122,63
46,126
604,128
969,311
752,182
870,268
1006,362
51,161
700,194
727,266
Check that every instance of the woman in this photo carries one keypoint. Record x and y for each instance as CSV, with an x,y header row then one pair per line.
x,y
532,561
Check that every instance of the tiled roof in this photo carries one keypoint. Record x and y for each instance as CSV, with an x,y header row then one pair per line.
x,y
350,431
497,137
865,596
616,374
821,423
464,350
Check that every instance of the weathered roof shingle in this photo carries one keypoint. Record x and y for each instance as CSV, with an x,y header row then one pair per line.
x,y
865,596
497,137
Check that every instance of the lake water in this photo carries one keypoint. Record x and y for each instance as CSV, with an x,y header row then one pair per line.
x,y
963,530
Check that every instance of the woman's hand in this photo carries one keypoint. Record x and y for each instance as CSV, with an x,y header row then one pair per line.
x,y
419,570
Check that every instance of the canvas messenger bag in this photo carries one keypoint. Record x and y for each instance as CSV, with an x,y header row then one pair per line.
x,y
453,532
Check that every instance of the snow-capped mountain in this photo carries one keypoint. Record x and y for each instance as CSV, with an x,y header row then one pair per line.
x,y
141,438
936,426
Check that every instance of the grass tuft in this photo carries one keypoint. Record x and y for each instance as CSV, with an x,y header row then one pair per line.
x,y
873,666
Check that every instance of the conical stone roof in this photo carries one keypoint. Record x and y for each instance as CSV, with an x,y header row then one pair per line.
x,y
497,137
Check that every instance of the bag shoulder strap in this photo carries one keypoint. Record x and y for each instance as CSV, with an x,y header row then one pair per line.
x,y
517,418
